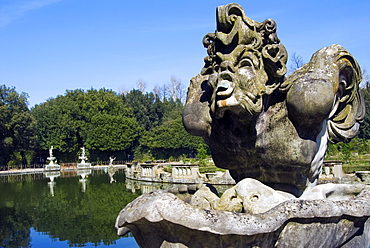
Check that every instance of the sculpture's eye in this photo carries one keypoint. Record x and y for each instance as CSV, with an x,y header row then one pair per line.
x,y
245,63
254,198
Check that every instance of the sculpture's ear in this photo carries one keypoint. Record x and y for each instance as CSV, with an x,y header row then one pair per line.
x,y
348,110
275,58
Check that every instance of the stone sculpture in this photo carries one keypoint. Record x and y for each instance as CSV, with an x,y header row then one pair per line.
x,y
111,159
83,164
260,124
271,132
52,166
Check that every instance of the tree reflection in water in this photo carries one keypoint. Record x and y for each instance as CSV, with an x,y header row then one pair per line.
x,y
62,210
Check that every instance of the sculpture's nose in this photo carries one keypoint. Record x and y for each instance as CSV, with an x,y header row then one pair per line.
x,y
226,66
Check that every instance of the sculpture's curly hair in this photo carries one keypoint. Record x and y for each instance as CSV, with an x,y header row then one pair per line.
x,y
234,29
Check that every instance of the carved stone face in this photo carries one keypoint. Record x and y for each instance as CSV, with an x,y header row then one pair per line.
x,y
239,82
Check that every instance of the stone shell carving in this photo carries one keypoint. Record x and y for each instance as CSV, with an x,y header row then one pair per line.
x,y
257,122
161,219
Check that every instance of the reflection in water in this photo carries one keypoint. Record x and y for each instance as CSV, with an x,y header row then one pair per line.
x,y
52,175
111,171
55,207
52,207
142,187
84,174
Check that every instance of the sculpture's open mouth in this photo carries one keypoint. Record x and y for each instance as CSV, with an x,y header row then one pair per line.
x,y
224,97
225,84
229,96
224,94
224,89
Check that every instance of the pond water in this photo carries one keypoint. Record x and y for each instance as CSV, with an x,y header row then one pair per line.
x,y
72,211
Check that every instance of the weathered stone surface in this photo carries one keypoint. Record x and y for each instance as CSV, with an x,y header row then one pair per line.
x,y
248,196
204,198
364,176
161,219
263,126
259,124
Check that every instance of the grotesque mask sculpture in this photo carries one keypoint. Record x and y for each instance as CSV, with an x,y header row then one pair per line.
x,y
271,132
257,122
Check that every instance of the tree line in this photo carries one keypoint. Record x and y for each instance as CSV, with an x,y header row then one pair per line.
x,y
130,125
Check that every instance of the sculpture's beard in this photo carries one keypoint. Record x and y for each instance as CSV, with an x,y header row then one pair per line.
x,y
237,96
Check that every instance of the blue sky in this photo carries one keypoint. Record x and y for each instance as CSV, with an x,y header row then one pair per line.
x,y
49,46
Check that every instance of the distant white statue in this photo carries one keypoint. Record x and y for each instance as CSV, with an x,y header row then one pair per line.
x,y
83,151
51,158
83,164
51,151
83,157
111,159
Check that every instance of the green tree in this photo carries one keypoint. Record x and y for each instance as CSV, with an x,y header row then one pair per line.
x,y
111,132
17,135
56,126
170,138
202,151
22,126
147,108
96,119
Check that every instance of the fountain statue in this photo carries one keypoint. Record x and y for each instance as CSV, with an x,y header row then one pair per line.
x,y
51,166
111,170
271,132
83,164
111,159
